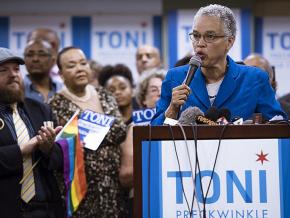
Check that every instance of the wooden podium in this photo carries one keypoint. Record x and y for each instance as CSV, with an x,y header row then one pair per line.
x,y
148,181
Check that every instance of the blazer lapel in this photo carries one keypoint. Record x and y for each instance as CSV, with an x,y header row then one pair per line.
x,y
198,88
6,136
228,85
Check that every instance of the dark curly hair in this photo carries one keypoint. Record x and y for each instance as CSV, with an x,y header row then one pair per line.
x,y
109,71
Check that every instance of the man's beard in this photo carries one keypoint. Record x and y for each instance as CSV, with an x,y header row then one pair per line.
x,y
10,96
37,76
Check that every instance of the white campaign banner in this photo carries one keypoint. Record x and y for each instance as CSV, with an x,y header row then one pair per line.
x,y
115,38
184,26
245,182
276,48
20,26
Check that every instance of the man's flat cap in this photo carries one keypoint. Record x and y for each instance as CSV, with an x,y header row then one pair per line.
x,y
6,55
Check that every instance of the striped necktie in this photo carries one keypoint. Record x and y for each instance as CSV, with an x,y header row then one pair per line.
x,y
28,186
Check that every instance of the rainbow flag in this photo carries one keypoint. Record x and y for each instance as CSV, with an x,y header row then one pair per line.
x,y
74,167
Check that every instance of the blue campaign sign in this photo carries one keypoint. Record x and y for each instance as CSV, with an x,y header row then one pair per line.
x,y
143,116
250,179
96,118
93,127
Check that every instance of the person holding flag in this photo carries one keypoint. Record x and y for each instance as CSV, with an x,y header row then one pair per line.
x,y
101,195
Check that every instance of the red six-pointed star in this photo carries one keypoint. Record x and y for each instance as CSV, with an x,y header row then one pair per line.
x,y
262,157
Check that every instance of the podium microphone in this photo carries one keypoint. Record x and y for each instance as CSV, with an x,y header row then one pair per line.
x,y
204,120
209,118
189,115
212,113
224,116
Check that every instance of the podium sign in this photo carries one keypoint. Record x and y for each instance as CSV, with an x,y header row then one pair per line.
x,y
250,178
242,182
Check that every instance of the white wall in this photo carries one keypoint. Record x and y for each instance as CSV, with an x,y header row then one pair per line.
x,y
79,7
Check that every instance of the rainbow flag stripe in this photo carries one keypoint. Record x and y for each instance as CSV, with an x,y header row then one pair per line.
x,y
74,167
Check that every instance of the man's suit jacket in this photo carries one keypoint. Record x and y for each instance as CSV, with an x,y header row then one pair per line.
x,y
245,90
11,166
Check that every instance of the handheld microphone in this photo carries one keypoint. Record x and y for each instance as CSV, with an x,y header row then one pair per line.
x,y
194,63
188,116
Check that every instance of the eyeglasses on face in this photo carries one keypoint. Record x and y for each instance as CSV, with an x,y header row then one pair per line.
x,y
147,55
153,90
207,37
39,54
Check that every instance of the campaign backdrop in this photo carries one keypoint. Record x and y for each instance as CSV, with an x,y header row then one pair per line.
x,y
108,39
20,26
249,180
273,41
180,25
114,38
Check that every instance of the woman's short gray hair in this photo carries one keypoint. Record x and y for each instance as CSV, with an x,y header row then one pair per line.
x,y
223,13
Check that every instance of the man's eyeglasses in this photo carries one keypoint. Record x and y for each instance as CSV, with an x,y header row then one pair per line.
x,y
40,55
207,37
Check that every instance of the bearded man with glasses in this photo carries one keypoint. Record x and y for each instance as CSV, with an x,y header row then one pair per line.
x,y
219,81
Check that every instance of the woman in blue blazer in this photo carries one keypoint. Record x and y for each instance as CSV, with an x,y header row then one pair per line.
x,y
219,81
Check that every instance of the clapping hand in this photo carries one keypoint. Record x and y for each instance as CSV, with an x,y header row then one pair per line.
x,y
46,136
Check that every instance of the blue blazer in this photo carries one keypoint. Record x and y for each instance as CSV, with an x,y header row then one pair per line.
x,y
245,90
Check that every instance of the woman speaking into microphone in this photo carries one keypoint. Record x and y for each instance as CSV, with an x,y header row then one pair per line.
x,y
219,81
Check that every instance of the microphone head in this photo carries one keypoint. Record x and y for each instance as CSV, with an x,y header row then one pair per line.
x,y
226,113
195,60
212,113
194,63
188,116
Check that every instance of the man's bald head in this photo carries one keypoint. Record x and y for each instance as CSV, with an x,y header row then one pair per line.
x,y
147,57
259,61
45,34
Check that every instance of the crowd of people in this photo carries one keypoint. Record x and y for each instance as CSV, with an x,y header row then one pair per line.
x,y
59,83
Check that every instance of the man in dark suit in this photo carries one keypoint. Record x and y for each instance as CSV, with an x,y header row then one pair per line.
x,y
44,155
